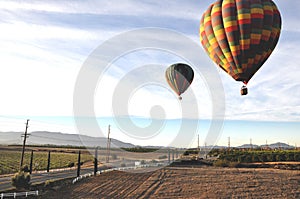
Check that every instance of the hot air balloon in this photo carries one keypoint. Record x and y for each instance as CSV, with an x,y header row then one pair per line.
x,y
240,35
179,76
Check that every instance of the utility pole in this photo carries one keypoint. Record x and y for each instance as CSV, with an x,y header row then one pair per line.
x,y
205,146
173,155
198,145
251,146
108,145
25,135
228,143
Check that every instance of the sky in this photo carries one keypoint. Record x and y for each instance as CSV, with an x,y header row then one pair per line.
x,y
46,44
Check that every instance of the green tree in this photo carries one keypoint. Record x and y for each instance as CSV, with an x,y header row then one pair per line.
x,y
271,157
255,157
290,156
297,156
280,157
263,157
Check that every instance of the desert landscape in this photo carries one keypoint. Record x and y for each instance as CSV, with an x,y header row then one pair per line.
x,y
186,182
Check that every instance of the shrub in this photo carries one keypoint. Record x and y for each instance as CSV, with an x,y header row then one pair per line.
x,y
221,163
143,162
297,157
263,157
48,183
290,156
21,180
255,157
113,156
123,164
234,164
162,157
81,163
71,164
25,169
280,157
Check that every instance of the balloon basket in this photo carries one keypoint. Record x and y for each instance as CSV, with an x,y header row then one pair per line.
x,y
244,90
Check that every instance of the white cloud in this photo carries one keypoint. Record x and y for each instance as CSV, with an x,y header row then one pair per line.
x,y
114,7
43,60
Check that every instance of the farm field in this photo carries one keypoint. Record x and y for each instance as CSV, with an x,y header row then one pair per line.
x,y
182,182
63,157
10,160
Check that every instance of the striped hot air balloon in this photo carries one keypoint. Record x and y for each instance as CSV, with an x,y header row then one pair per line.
x,y
240,35
179,76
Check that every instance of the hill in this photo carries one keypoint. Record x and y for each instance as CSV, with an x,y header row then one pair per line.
x,y
57,138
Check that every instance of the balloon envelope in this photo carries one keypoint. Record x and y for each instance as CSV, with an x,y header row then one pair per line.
x,y
179,76
240,35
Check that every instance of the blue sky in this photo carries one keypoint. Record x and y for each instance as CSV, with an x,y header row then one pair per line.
x,y
45,43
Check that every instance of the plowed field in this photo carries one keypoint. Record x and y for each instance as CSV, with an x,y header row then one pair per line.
x,y
204,182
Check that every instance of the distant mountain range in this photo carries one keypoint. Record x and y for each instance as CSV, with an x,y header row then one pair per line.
x,y
57,138
277,145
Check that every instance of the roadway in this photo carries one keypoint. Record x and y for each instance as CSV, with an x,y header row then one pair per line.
x,y
5,181
57,174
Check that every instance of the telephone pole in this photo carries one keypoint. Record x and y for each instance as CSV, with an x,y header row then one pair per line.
x,y
108,145
198,147
228,143
25,135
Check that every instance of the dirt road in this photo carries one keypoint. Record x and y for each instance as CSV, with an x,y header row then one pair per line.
x,y
204,182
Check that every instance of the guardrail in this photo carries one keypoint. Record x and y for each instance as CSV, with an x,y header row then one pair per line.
x,y
16,194
118,169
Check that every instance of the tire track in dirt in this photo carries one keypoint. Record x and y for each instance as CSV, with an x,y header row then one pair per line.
x,y
115,184
84,189
203,182
130,193
132,182
157,180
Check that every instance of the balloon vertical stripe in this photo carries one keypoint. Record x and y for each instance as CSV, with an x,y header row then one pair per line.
x,y
179,76
240,35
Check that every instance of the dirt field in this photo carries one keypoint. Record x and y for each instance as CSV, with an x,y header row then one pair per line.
x,y
204,182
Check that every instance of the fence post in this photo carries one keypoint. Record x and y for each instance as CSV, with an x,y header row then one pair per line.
x,y
96,161
1,195
37,192
78,164
48,165
31,161
15,194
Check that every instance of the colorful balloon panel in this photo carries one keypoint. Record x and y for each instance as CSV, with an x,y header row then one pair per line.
x,y
240,35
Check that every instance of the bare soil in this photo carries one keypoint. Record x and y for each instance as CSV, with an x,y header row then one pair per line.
x,y
182,182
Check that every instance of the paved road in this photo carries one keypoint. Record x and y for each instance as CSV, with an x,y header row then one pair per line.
x,y
5,182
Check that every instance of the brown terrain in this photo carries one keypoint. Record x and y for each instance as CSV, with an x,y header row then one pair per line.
x,y
183,182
